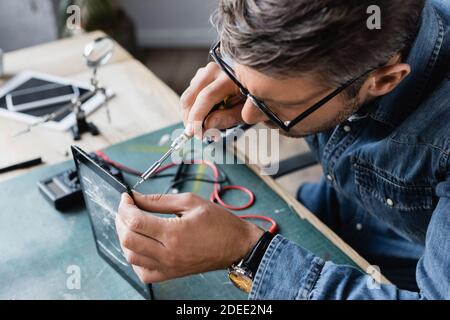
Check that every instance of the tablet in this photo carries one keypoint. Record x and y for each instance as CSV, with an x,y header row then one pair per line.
x,y
29,96
102,192
41,96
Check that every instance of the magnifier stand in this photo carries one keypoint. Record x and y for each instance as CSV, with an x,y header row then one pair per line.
x,y
102,50
81,124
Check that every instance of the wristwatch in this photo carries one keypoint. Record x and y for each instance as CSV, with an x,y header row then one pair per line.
x,y
242,273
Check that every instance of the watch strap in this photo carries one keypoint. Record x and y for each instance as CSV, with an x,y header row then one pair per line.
x,y
252,260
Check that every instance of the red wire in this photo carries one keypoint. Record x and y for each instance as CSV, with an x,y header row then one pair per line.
x,y
104,157
274,226
215,196
217,191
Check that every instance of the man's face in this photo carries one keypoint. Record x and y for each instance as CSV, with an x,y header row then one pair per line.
x,y
288,98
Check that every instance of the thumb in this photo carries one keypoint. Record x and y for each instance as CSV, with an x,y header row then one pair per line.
x,y
126,199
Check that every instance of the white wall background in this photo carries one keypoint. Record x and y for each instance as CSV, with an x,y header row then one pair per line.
x,y
172,23
159,23
26,23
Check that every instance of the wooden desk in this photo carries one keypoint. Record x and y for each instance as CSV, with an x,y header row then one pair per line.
x,y
143,103
63,57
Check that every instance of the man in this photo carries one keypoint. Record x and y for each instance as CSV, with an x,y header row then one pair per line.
x,y
380,126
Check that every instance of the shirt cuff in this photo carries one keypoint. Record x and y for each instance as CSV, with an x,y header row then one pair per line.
x,y
286,272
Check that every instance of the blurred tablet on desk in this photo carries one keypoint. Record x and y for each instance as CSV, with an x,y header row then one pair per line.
x,y
41,96
30,95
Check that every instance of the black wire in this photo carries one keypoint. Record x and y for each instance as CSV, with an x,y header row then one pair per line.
x,y
223,178
222,174
199,178
193,178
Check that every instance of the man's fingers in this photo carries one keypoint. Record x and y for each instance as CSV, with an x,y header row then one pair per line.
x,y
188,97
147,246
139,260
150,276
126,199
214,93
139,221
166,203
202,79
225,118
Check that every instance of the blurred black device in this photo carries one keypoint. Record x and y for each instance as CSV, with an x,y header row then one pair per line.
x,y
63,190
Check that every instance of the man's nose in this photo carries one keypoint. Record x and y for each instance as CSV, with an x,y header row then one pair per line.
x,y
251,114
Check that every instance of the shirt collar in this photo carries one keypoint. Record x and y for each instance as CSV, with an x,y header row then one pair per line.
x,y
422,58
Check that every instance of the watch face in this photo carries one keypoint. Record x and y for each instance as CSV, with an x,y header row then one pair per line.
x,y
241,280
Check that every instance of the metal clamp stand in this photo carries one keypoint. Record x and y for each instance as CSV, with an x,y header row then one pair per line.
x,y
81,125
94,59
96,54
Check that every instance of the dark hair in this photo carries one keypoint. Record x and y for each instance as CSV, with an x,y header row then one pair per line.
x,y
327,38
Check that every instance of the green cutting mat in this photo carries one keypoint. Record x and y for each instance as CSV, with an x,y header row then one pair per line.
x,y
39,245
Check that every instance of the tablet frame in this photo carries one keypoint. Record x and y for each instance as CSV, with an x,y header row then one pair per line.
x,y
81,156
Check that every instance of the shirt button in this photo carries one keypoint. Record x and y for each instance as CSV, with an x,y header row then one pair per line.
x,y
389,202
347,129
359,226
329,177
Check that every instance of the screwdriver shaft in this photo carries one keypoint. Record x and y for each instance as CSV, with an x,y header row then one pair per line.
x,y
175,146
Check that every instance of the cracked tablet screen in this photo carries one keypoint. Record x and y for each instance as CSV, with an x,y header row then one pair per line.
x,y
102,201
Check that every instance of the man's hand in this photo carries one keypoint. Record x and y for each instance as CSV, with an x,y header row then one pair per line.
x,y
203,237
210,86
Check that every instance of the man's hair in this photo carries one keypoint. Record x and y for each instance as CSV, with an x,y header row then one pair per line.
x,y
329,39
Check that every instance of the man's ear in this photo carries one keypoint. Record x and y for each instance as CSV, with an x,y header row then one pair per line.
x,y
387,78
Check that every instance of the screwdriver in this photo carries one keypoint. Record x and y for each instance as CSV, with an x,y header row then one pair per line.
x,y
178,143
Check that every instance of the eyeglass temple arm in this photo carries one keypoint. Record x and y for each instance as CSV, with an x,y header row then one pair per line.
x,y
326,99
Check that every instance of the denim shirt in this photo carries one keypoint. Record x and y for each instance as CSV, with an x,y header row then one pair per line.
x,y
393,160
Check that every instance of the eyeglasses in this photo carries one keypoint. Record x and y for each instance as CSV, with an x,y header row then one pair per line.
x,y
284,125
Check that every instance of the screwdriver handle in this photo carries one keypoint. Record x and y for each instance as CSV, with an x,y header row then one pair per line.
x,y
179,142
